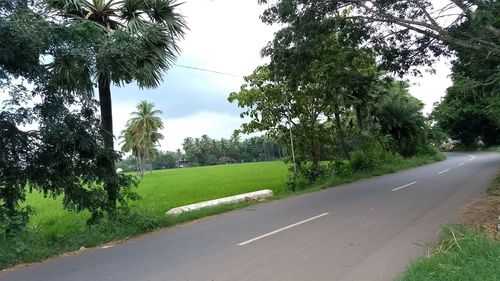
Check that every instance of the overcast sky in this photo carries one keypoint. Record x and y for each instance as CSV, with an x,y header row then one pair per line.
x,y
226,36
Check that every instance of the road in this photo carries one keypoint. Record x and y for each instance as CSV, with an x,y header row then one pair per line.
x,y
368,230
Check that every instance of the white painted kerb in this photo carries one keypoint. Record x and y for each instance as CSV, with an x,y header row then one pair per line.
x,y
257,195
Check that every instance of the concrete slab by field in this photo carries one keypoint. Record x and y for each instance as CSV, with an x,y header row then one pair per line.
x,y
256,195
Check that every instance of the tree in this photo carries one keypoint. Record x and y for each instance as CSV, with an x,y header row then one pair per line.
x,y
271,104
408,33
16,147
470,111
141,135
325,73
164,160
126,41
464,116
400,115
65,155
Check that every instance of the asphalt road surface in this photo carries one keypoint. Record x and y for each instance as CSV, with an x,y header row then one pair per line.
x,y
368,230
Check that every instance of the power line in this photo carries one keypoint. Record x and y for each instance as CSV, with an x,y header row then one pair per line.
x,y
208,70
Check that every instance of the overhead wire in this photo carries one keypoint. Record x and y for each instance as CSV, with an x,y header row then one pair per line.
x,y
209,70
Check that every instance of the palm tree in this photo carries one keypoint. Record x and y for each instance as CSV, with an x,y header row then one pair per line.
x,y
399,115
122,41
141,135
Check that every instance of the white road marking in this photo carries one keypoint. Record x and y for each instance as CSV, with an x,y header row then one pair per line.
x,y
472,157
444,171
403,186
281,229
106,246
461,164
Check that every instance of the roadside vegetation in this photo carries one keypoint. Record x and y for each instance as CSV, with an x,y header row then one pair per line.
x,y
462,255
469,251
493,149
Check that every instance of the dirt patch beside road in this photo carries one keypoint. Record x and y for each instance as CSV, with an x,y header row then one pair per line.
x,y
482,216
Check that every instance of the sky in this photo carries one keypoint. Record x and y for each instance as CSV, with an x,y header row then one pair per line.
x,y
225,36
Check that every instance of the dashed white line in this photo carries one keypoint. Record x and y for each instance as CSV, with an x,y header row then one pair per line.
x,y
281,229
461,164
444,171
403,186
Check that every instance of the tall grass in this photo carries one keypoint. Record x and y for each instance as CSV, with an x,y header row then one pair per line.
x,y
462,255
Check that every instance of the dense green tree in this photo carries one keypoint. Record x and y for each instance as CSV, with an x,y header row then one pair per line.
x,y
141,135
400,115
408,33
65,153
317,72
272,105
465,117
128,41
165,160
16,148
470,111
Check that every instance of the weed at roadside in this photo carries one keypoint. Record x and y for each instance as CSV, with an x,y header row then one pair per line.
x,y
462,255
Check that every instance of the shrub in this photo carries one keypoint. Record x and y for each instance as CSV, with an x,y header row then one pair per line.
x,y
369,158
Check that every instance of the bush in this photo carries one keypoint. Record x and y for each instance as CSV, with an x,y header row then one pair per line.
x,y
341,167
306,174
369,157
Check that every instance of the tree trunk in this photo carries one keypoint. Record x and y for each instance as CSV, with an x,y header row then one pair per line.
x,y
340,133
111,185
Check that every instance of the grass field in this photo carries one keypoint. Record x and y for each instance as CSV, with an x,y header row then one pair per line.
x,y
166,189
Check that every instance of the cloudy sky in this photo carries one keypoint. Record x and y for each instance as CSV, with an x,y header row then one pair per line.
x,y
226,36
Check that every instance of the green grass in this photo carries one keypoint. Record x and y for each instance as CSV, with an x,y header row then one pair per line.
x,y
166,189
493,148
462,255
494,186
53,230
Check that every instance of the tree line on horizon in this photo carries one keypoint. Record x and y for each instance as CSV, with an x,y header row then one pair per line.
x,y
205,151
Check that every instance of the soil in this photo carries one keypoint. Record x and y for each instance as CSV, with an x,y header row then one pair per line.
x,y
484,216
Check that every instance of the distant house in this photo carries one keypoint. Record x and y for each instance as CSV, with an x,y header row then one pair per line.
x,y
226,160
181,163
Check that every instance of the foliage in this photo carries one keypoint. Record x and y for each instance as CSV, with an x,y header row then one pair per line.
x,y
141,135
470,111
370,155
165,160
114,42
461,255
400,115
206,151
406,33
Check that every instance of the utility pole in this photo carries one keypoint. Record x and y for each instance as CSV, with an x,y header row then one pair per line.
x,y
290,131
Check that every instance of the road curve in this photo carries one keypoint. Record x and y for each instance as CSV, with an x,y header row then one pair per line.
x,y
368,230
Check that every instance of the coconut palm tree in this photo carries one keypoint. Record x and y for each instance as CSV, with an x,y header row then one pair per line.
x,y
116,42
141,136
